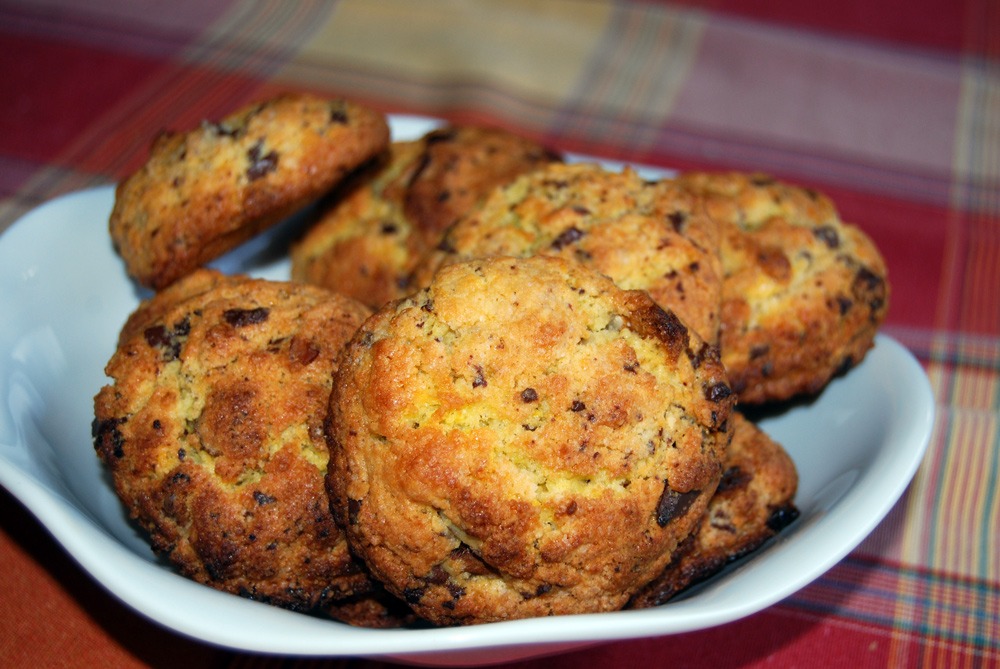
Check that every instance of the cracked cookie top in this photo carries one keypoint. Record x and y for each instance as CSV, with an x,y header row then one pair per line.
x,y
645,235
204,191
803,293
368,240
212,429
523,438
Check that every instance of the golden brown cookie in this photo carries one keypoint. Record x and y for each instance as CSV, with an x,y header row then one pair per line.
x,y
753,502
646,235
367,241
523,438
459,166
363,245
203,192
212,429
803,293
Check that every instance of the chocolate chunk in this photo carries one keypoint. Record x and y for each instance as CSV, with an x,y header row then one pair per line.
x,y
413,595
673,504
157,336
437,575
353,509
455,590
705,352
263,499
261,163
677,219
529,395
869,287
339,115
168,340
239,318
567,237
732,478
108,439
828,235
717,392
782,517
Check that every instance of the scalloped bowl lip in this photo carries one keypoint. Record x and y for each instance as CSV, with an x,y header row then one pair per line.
x,y
857,446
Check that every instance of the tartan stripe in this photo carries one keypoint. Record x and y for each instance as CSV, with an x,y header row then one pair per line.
x,y
180,94
451,99
936,25
912,600
149,36
952,349
616,74
259,37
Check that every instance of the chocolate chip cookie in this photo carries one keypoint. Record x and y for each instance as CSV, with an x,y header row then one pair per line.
x,y
523,438
203,192
645,235
754,501
803,293
368,239
212,429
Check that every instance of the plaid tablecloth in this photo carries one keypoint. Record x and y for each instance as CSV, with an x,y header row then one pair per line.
x,y
890,107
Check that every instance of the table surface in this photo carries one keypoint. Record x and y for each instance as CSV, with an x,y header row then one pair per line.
x,y
892,108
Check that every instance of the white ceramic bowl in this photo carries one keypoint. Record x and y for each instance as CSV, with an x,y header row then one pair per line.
x,y
65,296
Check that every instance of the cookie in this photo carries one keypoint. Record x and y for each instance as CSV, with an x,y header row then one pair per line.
x,y
523,438
367,241
753,503
203,192
803,293
362,244
645,235
212,429
459,166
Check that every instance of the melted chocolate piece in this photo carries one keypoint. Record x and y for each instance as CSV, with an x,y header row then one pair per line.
x,y
673,504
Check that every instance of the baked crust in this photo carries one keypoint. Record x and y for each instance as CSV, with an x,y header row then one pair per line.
x,y
369,238
753,503
203,192
212,429
803,293
523,438
645,235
